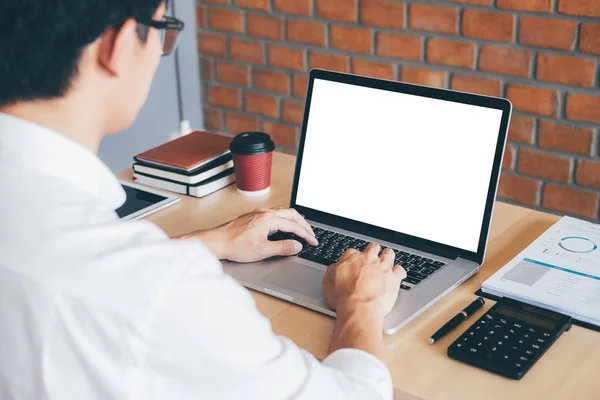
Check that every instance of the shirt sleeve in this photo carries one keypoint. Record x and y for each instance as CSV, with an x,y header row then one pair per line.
x,y
208,340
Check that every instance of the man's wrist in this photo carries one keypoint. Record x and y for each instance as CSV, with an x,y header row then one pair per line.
x,y
369,313
215,239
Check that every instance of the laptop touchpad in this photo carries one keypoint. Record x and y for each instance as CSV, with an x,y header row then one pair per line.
x,y
297,278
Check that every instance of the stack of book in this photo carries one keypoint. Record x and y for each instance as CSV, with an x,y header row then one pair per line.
x,y
197,164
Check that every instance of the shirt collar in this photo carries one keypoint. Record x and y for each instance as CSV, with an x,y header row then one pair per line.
x,y
35,147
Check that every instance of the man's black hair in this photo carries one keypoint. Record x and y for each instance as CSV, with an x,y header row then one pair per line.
x,y
41,41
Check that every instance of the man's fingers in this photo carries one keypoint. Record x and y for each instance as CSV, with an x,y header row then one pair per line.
x,y
291,226
387,257
399,271
294,215
373,250
281,248
348,253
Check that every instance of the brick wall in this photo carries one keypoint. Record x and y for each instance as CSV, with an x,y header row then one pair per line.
x,y
543,55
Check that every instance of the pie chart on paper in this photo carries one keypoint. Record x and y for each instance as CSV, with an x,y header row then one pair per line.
x,y
577,244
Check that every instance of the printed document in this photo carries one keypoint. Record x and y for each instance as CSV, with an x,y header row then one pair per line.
x,y
560,271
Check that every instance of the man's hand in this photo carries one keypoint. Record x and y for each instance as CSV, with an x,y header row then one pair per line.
x,y
364,279
245,238
362,288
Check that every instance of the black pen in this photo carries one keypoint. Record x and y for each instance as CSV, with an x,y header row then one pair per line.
x,y
454,322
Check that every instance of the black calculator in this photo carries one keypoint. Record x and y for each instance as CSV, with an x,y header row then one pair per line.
x,y
509,338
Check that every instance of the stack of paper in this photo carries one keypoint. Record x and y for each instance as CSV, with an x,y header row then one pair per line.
x,y
560,271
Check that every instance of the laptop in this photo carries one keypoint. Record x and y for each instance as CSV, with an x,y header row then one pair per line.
x,y
409,167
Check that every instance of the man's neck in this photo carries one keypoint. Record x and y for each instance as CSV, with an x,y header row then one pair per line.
x,y
75,120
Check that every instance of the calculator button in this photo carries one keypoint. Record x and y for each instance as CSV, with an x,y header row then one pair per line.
x,y
473,350
503,321
535,346
529,352
521,342
541,341
489,317
546,334
531,330
459,345
519,365
523,359
518,325
512,331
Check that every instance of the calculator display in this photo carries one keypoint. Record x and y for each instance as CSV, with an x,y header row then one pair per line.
x,y
525,317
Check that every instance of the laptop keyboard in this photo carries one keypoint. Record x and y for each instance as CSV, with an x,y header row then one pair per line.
x,y
332,245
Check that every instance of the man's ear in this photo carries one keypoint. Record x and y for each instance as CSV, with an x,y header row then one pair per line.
x,y
117,46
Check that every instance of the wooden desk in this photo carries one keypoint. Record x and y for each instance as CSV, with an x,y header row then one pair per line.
x,y
570,369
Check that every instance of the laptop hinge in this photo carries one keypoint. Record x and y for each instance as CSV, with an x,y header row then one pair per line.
x,y
445,253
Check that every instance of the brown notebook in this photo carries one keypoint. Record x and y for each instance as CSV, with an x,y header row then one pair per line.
x,y
188,152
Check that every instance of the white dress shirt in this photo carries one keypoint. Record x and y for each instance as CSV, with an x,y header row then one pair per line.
x,y
95,308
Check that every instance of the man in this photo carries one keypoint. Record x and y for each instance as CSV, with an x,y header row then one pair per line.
x,y
95,308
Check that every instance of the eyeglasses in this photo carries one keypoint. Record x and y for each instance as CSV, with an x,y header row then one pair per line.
x,y
170,32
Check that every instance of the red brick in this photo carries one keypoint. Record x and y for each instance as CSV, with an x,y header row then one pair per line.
x,y
399,46
257,4
585,8
533,100
285,57
224,97
299,7
570,200
300,84
588,173
519,189
226,20
551,33
200,17
231,73
339,10
568,70
282,135
521,129
425,77
565,138
488,25
329,61
544,165
471,84
264,26
351,39
382,13
211,44
272,81
206,69
589,39
247,51
213,120
507,161
262,104
583,107
478,2
309,32
373,69
526,5
293,111
433,18
504,60
450,52
238,123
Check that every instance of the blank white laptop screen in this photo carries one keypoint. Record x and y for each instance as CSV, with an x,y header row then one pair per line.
x,y
411,164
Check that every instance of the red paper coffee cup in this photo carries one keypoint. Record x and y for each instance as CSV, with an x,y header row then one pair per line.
x,y
252,159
